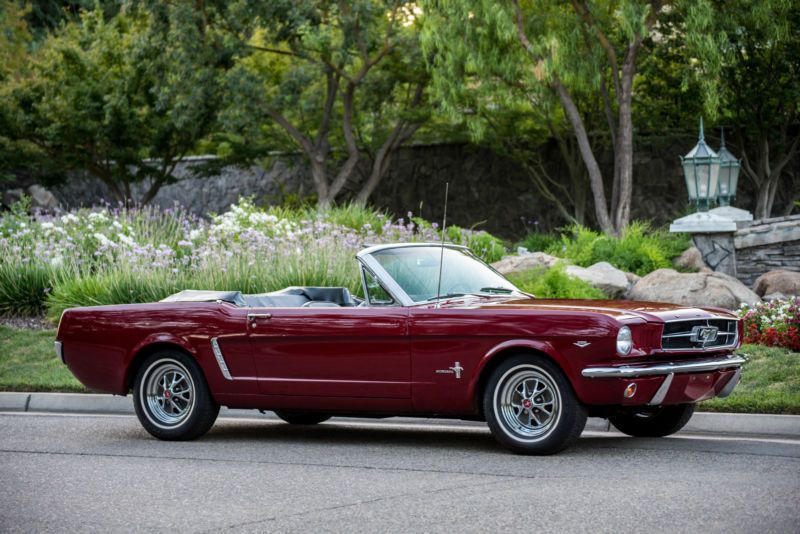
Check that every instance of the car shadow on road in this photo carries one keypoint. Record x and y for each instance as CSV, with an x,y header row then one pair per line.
x,y
470,439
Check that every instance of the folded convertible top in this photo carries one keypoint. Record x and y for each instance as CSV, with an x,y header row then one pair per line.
x,y
290,297
194,295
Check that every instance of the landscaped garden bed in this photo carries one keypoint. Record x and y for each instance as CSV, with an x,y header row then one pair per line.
x,y
109,255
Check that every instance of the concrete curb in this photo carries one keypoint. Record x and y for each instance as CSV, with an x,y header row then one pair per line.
x,y
702,422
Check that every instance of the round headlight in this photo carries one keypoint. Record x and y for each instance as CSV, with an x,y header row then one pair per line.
x,y
624,341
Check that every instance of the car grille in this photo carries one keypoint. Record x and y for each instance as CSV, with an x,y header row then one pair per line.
x,y
699,334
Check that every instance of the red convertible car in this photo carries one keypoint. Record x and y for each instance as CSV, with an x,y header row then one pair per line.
x,y
465,343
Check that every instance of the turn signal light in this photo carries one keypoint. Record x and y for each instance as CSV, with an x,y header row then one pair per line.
x,y
630,391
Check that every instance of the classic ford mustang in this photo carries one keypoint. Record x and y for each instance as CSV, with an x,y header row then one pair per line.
x,y
438,334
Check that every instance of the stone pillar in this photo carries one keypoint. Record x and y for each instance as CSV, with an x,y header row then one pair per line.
x,y
713,237
717,250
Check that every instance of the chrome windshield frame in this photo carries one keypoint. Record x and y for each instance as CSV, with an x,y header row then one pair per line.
x,y
367,260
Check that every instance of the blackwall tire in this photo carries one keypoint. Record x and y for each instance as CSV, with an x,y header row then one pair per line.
x,y
302,418
171,397
652,422
530,406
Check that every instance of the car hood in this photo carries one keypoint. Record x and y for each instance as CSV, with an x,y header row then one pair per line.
x,y
619,309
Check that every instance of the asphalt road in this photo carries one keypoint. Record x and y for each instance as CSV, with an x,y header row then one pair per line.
x,y
104,473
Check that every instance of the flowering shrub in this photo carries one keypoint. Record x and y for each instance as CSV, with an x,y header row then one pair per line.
x,y
775,323
108,255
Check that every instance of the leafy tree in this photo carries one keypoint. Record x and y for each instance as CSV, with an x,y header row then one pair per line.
x,y
752,71
14,36
579,51
126,98
334,78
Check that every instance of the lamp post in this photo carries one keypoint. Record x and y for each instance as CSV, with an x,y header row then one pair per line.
x,y
712,177
701,172
729,167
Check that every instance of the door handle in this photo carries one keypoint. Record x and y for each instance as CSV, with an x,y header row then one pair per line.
x,y
253,318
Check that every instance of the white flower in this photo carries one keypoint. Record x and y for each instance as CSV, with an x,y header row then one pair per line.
x,y
47,226
69,218
103,239
126,240
56,261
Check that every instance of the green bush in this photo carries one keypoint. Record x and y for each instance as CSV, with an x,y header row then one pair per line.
x,y
640,249
539,242
554,283
24,287
486,246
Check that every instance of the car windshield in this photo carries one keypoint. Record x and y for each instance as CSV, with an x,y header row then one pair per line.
x,y
416,271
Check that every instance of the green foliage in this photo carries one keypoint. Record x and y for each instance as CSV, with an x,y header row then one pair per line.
x,y
352,215
554,283
14,36
639,249
24,286
321,77
483,244
538,241
124,99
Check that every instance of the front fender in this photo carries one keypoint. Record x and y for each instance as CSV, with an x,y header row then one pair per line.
x,y
511,345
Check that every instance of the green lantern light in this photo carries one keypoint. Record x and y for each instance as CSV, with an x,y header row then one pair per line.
x,y
729,167
701,172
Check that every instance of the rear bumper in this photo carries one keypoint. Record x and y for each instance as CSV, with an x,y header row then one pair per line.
x,y
662,383
695,366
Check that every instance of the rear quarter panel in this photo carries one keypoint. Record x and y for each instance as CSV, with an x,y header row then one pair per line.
x,y
100,343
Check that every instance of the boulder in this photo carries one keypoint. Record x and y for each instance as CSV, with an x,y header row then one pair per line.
x,y
525,262
12,195
691,260
693,289
42,198
603,276
632,279
778,281
774,296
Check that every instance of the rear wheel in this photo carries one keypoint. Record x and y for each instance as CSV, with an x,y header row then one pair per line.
x,y
171,397
530,406
302,418
652,422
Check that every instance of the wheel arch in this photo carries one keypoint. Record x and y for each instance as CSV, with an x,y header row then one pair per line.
x,y
500,353
146,350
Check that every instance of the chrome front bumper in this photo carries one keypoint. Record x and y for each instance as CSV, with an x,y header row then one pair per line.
x,y
695,366
669,370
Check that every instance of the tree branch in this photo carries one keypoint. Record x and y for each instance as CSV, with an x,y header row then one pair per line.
x,y
582,10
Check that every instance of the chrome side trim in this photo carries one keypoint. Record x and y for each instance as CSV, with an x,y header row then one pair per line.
x,y
60,351
732,383
696,366
220,359
661,392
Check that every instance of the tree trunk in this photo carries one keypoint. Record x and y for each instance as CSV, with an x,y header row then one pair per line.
x,y
319,174
624,160
595,175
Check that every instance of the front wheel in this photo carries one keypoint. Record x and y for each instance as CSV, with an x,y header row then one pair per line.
x,y
653,422
171,398
530,406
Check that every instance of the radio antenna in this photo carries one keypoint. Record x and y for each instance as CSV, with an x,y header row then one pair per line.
x,y
441,253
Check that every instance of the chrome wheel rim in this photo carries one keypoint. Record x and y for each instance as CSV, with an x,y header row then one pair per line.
x,y
529,403
168,393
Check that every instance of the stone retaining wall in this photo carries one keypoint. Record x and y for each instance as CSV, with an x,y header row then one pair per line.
x,y
767,245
